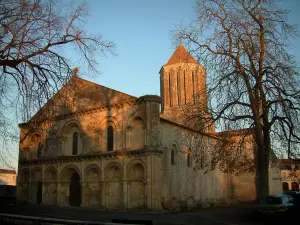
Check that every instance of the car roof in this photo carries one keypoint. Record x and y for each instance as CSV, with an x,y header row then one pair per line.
x,y
292,192
278,195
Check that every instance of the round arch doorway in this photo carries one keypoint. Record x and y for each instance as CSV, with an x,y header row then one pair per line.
x,y
75,190
39,193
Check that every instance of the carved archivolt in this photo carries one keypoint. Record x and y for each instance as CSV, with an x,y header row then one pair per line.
x,y
136,164
66,173
109,120
69,125
50,174
113,171
92,173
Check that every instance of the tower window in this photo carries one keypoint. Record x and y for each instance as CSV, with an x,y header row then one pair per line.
x,y
75,143
173,155
110,138
188,160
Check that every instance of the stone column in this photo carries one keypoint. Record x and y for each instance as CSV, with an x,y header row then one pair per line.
x,y
125,194
118,130
82,164
30,184
124,185
152,119
154,181
148,181
128,136
128,194
43,183
44,197
63,142
58,185
83,187
103,200
81,140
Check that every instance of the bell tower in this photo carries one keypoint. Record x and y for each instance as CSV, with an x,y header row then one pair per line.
x,y
182,84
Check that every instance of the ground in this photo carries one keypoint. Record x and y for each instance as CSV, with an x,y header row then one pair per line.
x,y
234,215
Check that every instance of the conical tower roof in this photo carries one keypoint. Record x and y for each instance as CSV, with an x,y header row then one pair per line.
x,y
181,55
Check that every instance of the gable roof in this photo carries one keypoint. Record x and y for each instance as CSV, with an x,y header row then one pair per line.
x,y
78,95
162,119
181,55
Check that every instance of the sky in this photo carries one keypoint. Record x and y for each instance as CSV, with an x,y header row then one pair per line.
x,y
141,31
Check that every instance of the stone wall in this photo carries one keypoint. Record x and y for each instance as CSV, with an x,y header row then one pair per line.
x,y
183,185
107,182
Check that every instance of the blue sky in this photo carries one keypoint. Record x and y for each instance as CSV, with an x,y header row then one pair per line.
x,y
141,32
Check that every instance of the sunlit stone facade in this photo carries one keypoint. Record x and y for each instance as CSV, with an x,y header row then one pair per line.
x,y
92,146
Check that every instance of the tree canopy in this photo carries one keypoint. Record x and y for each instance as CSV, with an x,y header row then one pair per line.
x,y
253,80
33,36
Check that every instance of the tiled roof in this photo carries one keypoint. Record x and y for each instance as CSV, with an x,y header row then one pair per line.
x,y
7,171
289,161
181,55
230,133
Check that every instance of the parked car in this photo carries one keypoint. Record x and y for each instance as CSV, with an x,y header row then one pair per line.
x,y
296,196
276,205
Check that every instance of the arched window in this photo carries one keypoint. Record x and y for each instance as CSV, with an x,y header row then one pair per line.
x,y
295,186
188,159
110,138
285,186
172,157
173,154
39,151
75,143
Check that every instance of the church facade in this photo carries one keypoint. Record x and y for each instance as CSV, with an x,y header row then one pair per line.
x,y
92,146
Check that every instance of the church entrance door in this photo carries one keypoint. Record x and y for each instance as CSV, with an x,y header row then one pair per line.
x,y
39,193
75,190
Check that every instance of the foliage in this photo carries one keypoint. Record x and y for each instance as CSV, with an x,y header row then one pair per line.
x,y
33,37
253,81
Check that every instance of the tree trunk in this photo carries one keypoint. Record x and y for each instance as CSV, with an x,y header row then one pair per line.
x,y
262,169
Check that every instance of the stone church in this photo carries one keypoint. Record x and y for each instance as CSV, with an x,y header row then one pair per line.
x,y
92,146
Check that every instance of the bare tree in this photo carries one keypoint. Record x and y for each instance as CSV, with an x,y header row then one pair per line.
x,y
253,81
33,36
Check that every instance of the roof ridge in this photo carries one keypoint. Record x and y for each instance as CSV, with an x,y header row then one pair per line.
x,y
106,87
181,55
